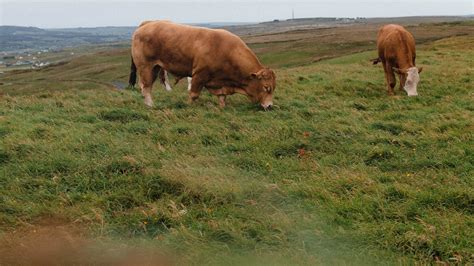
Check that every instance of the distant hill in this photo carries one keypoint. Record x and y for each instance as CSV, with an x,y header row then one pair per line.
x,y
17,39
118,31
5,30
278,26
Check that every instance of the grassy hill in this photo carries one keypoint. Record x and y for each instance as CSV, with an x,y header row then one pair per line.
x,y
27,39
338,173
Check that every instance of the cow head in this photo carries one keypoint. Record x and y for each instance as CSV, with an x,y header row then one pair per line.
x,y
261,86
411,77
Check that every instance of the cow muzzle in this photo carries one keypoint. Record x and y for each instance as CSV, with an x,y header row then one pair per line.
x,y
411,92
267,106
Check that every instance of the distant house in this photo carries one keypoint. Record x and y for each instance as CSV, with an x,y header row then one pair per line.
x,y
23,63
40,64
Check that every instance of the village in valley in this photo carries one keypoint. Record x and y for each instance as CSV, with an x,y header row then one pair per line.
x,y
32,48
30,59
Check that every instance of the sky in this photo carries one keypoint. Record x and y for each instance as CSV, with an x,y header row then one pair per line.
x,y
82,13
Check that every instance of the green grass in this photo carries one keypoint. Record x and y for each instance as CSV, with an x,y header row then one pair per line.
x,y
291,54
338,173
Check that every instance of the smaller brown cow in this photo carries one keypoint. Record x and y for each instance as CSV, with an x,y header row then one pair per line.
x,y
396,48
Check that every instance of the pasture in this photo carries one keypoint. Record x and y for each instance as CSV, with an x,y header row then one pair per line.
x,y
338,172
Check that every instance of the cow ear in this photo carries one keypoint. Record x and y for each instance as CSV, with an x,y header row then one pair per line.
x,y
420,69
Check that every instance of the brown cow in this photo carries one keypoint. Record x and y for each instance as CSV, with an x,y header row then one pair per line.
x,y
215,59
396,48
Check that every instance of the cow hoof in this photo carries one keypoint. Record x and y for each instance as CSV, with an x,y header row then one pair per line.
x,y
149,102
221,101
193,96
191,100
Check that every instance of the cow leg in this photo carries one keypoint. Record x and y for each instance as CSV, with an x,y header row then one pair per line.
x,y
156,72
197,84
166,80
163,74
189,83
147,77
222,100
220,93
390,78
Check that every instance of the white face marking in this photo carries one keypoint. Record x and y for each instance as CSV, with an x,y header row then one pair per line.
x,y
412,81
189,83
167,81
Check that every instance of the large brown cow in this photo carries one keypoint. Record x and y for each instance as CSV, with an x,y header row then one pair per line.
x,y
215,59
396,48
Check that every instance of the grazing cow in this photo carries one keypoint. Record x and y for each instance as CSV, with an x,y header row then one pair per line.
x,y
215,59
396,48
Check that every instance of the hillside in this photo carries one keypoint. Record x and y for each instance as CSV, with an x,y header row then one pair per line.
x,y
337,173
4,30
19,39
23,39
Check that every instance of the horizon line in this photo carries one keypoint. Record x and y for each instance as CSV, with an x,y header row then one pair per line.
x,y
232,23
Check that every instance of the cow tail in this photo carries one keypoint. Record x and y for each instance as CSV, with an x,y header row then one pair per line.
x,y
133,74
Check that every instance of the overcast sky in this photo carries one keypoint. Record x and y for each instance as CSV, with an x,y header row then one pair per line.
x,y
80,13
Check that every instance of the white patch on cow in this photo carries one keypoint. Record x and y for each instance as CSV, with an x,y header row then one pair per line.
x,y
167,81
412,81
189,83
148,100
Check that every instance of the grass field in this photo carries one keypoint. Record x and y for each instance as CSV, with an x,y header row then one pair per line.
x,y
338,173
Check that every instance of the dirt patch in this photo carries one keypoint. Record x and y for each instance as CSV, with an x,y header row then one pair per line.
x,y
52,242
